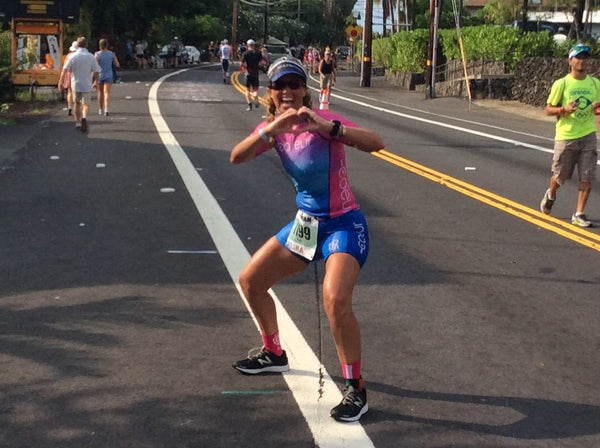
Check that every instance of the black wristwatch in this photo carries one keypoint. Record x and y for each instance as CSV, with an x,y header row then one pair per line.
x,y
335,129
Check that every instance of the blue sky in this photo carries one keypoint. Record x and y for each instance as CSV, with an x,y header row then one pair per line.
x,y
377,15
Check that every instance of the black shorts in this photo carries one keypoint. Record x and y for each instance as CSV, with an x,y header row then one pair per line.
x,y
225,64
251,80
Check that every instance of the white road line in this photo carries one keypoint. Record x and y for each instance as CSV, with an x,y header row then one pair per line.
x,y
426,112
192,252
303,378
444,125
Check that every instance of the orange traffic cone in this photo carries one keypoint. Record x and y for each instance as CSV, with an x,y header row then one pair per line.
x,y
324,100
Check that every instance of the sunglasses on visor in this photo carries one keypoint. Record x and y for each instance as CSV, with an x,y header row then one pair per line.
x,y
294,84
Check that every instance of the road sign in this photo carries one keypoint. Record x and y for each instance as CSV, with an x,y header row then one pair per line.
x,y
354,31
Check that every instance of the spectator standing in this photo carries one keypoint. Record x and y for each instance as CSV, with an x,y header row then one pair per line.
x,y
211,51
129,53
573,99
265,55
316,58
176,51
139,55
84,75
106,60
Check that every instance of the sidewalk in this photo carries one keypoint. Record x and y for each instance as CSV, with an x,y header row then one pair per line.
x,y
382,90
15,136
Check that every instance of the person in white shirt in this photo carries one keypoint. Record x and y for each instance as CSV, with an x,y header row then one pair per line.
x,y
84,77
225,55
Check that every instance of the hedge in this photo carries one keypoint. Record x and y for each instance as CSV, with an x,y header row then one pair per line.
x,y
407,50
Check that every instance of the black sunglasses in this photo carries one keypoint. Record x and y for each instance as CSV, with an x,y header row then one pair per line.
x,y
280,85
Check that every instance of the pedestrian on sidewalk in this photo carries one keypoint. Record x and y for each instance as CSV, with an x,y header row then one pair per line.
x,y
106,60
84,73
251,61
329,225
573,99
66,82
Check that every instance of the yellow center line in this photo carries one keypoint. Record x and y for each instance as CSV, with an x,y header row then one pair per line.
x,y
235,82
528,214
533,216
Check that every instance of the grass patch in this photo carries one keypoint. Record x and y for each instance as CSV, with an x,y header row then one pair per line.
x,y
23,106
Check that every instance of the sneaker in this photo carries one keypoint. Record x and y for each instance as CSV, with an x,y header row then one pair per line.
x,y
353,405
249,108
580,220
83,124
547,203
106,113
263,361
77,125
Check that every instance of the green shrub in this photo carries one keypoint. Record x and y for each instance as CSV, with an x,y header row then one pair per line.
x,y
408,51
4,49
380,52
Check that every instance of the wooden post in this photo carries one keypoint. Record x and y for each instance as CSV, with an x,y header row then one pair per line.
x,y
365,71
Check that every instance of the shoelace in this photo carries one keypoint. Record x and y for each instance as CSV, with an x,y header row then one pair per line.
x,y
255,352
350,395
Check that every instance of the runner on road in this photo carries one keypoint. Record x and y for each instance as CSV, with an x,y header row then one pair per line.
x,y
328,225
573,99
251,60
225,54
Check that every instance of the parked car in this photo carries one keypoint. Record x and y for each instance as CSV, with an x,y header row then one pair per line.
x,y
166,53
275,52
342,52
194,54
538,25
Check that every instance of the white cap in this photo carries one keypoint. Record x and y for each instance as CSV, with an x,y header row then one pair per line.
x,y
250,42
74,46
225,41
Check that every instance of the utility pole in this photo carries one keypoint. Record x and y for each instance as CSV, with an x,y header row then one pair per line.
x,y
365,68
234,24
434,9
266,31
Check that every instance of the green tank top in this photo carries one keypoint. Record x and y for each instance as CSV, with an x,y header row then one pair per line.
x,y
581,122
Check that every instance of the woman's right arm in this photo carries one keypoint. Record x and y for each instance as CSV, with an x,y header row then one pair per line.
x,y
245,150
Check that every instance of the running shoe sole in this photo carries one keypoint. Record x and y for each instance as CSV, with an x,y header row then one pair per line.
x,y
362,412
267,369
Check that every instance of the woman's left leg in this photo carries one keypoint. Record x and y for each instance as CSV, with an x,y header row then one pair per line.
x,y
107,88
341,273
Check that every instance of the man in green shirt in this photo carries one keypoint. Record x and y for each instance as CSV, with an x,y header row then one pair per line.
x,y
573,100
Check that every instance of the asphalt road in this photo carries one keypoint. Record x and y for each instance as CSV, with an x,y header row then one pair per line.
x,y
120,317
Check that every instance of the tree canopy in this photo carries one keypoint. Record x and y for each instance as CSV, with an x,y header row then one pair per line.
x,y
198,22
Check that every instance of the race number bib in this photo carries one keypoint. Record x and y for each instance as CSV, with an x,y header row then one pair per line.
x,y
302,239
